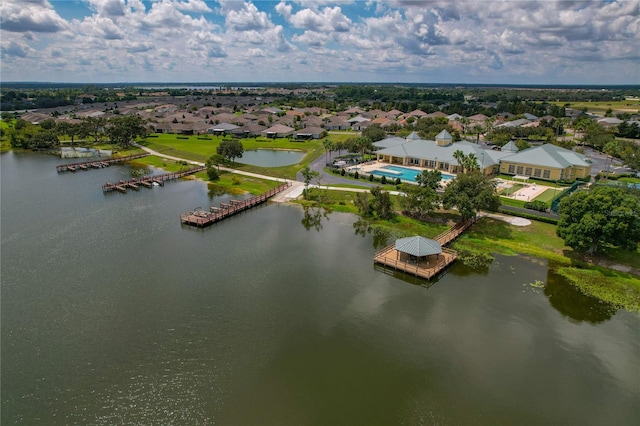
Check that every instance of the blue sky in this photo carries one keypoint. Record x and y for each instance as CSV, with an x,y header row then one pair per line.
x,y
486,42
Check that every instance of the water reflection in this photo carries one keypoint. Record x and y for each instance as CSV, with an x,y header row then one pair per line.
x,y
381,236
570,302
215,191
313,218
411,279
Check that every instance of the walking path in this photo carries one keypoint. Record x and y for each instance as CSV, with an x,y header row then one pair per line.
x,y
297,186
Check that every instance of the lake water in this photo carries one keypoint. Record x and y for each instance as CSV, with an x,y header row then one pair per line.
x,y
271,157
113,313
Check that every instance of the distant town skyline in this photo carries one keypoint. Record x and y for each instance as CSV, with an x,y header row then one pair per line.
x,y
479,42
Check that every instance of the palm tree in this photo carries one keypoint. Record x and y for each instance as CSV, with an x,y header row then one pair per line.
x,y
329,146
464,122
460,157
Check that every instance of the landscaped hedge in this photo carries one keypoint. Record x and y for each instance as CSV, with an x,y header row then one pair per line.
x,y
540,206
531,216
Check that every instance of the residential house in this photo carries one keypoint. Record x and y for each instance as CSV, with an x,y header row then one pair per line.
x,y
278,131
337,123
310,133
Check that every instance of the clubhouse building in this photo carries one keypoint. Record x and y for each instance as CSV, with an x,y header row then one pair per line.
x,y
547,162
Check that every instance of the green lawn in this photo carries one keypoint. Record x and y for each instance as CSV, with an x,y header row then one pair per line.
x,y
547,195
602,107
199,149
510,191
629,180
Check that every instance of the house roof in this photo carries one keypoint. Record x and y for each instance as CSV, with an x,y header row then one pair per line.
x,y
310,131
279,128
478,117
510,147
223,127
418,246
416,113
514,123
426,149
444,135
358,119
549,155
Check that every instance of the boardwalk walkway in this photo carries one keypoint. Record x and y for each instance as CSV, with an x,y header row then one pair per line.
x,y
203,218
147,181
97,164
427,267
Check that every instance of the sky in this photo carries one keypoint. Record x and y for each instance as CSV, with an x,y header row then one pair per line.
x,y
466,42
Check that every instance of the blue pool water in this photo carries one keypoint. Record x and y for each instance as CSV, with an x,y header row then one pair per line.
x,y
403,173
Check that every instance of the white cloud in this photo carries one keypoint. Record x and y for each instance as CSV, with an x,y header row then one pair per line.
x,y
193,6
481,41
36,16
14,48
326,19
248,18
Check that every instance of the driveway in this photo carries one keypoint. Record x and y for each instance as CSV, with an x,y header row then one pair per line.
x,y
318,165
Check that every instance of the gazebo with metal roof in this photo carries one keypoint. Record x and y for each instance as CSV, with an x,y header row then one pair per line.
x,y
418,247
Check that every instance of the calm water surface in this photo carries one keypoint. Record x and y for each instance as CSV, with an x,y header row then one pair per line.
x,y
271,157
112,313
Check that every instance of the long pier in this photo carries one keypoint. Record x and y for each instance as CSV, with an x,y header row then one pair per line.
x,y
97,164
432,265
147,181
202,218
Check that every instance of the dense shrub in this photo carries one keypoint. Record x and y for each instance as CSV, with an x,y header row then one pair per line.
x,y
531,216
540,206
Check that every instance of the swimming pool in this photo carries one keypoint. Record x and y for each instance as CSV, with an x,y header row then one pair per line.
x,y
403,173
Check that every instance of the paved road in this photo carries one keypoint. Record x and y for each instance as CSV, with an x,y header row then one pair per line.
x,y
329,178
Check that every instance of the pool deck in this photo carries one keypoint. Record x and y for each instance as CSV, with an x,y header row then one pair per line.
x,y
371,166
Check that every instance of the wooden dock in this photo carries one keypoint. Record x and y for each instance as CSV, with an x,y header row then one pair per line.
x,y
97,164
430,266
202,218
147,181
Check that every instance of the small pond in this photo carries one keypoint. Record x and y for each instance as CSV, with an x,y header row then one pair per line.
x,y
271,157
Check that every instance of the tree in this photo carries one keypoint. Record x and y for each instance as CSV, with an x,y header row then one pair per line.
x,y
92,126
328,146
361,144
213,167
470,193
468,163
429,179
65,128
419,201
122,130
599,217
308,175
44,139
464,123
230,149
374,132
215,160
381,203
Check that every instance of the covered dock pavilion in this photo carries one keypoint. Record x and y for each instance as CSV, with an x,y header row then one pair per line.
x,y
416,255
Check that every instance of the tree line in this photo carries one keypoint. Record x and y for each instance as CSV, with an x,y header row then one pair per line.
x,y
120,130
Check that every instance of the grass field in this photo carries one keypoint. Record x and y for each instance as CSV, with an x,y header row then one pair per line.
x,y
509,191
601,107
547,195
